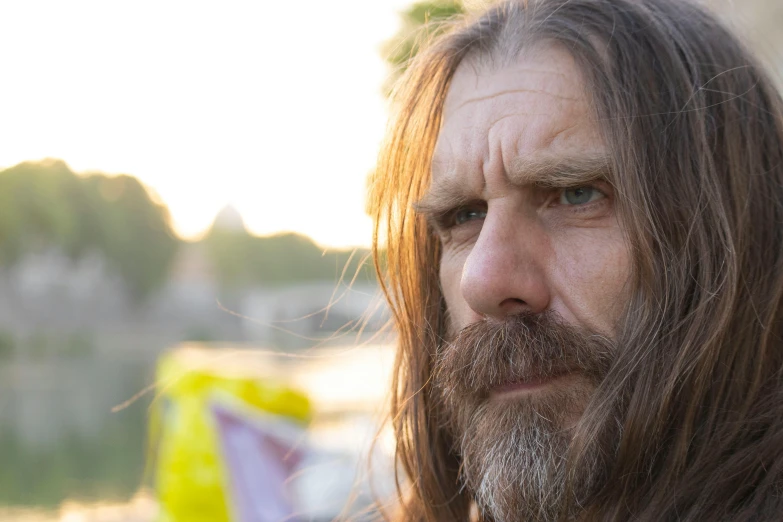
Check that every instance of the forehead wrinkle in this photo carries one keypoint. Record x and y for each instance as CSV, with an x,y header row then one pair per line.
x,y
445,172
514,91
449,162
550,141
528,113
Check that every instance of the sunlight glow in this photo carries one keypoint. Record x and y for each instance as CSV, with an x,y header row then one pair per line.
x,y
277,111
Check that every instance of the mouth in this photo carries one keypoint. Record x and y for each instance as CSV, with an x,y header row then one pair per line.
x,y
527,386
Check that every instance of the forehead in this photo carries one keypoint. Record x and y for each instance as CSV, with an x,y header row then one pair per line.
x,y
533,108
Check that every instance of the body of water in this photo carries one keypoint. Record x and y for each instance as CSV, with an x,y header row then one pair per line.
x,y
67,456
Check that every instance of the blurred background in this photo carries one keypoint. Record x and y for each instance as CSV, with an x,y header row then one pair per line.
x,y
186,180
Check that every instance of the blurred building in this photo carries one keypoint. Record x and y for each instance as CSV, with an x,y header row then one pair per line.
x,y
48,296
320,310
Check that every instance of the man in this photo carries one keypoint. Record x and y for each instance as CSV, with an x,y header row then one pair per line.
x,y
581,203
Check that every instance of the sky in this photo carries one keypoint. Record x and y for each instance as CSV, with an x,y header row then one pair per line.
x,y
275,108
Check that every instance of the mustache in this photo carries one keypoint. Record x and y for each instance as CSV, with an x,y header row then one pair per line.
x,y
489,354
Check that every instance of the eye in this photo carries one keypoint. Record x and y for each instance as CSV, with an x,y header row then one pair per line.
x,y
580,195
463,215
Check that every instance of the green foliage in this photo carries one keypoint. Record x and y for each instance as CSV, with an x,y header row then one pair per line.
x,y
32,211
241,259
198,334
420,23
37,346
45,204
108,467
79,344
137,237
7,345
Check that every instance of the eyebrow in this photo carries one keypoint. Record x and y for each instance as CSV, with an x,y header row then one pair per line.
x,y
558,171
548,172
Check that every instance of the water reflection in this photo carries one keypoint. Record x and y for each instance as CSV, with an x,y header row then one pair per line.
x,y
58,437
63,450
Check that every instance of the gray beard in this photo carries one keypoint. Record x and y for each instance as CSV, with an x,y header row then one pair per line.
x,y
514,454
515,449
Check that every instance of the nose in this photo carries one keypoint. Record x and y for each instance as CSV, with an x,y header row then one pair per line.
x,y
504,273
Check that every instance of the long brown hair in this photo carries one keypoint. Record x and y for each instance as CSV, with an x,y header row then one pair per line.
x,y
695,132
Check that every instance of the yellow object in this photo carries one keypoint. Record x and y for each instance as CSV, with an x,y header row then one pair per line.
x,y
189,474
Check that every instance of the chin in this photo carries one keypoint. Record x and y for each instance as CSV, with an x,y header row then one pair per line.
x,y
515,448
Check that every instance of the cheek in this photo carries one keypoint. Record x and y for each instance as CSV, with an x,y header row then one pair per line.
x,y
450,272
590,274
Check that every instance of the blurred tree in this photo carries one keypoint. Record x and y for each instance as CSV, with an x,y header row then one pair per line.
x,y
7,345
32,213
137,235
287,258
421,22
242,260
45,204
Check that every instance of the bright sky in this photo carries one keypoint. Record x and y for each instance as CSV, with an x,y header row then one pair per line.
x,y
274,107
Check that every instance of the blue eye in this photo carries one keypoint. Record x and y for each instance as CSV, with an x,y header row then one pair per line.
x,y
580,195
468,214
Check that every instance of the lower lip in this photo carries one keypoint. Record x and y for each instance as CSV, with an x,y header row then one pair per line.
x,y
524,387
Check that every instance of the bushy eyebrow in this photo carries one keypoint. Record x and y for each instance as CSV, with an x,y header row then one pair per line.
x,y
448,194
558,171
548,172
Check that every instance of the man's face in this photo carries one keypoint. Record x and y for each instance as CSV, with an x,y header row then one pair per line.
x,y
533,271
513,244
